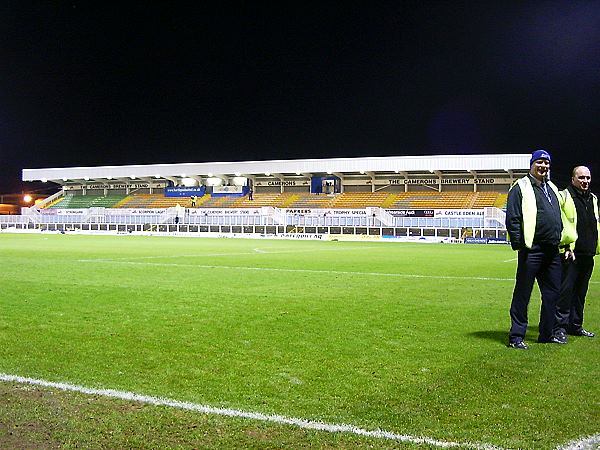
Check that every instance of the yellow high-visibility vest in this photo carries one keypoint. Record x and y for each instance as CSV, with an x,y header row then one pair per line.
x,y
568,210
529,208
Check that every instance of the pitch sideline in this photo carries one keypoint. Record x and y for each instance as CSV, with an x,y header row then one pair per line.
x,y
273,418
585,443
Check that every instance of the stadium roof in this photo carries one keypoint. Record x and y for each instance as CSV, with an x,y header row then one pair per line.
x,y
344,166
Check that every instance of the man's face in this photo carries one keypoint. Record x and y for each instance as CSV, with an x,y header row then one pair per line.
x,y
539,168
582,178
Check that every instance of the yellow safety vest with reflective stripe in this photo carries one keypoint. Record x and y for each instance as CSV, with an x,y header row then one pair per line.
x,y
568,210
529,208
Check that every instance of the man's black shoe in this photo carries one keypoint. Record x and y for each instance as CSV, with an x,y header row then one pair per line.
x,y
552,340
583,332
518,344
560,334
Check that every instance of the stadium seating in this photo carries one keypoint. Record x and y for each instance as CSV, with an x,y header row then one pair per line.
x,y
276,199
312,201
216,202
360,200
60,202
484,199
293,200
501,201
70,201
137,201
432,200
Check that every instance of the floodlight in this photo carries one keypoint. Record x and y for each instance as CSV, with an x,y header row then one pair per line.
x,y
188,182
27,198
213,181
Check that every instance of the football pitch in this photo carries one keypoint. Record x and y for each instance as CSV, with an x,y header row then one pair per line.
x,y
162,342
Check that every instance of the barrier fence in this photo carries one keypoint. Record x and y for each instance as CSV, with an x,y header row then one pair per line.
x,y
452,224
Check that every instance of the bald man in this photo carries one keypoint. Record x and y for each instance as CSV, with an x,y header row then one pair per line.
x,y
580,207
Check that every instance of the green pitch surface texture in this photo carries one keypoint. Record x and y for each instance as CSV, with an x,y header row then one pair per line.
x,y
407,341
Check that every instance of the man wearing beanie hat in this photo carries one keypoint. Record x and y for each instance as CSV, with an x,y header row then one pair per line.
x,y
534,225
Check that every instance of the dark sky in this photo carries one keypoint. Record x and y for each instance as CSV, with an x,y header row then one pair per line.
x,y
111,83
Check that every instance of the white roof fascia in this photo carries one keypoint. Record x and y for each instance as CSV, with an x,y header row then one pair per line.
x,y
342,165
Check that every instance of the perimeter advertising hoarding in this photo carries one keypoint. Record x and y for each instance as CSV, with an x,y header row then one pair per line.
x,y
459,213
180,191
325,212
484,240
411,212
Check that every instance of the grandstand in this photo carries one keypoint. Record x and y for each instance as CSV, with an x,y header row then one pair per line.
x,y
388,196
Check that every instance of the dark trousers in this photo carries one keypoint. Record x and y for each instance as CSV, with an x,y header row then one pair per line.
x,y
575,281
541,263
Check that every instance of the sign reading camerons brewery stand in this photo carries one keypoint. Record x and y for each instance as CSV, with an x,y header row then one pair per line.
x,y
110,186
447,181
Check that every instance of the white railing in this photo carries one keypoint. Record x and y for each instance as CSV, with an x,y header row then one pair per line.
x,y
277,215
382,215
50,199
494,218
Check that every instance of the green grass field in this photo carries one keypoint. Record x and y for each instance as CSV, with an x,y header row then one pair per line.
x,y
406,338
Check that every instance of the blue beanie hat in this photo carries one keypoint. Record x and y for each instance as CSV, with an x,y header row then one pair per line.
x,y
539,154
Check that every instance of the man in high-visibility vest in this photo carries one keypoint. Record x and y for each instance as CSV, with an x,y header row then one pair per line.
x,y
534,225
580,208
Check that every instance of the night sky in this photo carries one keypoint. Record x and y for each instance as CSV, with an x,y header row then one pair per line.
x,y
112,83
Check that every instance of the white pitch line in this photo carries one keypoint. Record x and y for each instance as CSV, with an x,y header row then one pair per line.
x,y
278,269
274,418
253,252
587,443
516,259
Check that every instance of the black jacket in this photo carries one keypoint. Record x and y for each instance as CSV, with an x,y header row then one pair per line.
x,y
548,224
